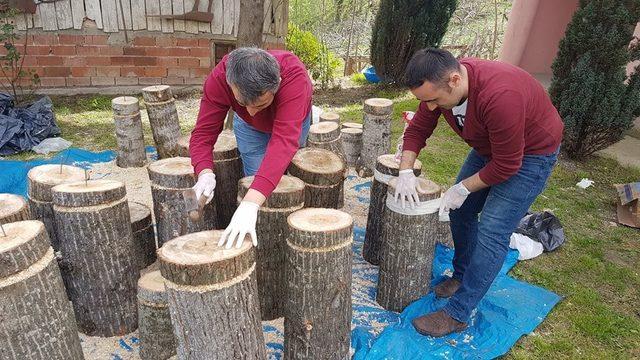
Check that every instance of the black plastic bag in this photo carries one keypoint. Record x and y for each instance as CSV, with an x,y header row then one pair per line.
x,y
544,228
25,127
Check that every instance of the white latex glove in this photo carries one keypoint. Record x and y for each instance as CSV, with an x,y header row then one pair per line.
x,y
454,198
407,188
205,185
242,223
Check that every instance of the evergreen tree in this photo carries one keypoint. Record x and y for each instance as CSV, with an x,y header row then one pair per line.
x,y
401,28
590,88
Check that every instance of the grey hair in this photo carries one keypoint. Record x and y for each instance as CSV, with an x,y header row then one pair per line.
x,y
253,71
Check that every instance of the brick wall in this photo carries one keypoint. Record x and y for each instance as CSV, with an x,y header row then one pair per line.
x,y
67,60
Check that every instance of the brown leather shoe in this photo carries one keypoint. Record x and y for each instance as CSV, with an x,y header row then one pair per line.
x,y
437,324
447,288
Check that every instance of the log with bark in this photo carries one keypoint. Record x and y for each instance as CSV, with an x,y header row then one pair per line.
x,y
157,341
323,174
13,208
330,116
351,144
183,145
326,135
143,234
376,137
129,135
163,118
352,125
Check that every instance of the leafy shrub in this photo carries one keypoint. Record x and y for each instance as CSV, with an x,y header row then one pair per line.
x,y
321,63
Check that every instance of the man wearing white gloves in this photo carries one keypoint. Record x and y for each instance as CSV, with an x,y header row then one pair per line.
x,y
270,93
514,130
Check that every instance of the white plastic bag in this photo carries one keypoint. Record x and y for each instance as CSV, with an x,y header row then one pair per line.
x,y
584,183
315,114
526,246
51,144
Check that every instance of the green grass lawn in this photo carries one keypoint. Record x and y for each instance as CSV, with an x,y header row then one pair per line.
x,y
596,271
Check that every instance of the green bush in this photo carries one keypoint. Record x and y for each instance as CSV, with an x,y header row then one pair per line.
x,y
359,79
595,98
321,63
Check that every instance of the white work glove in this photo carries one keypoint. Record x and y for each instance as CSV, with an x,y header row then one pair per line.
x,y
406,188
453,198
205,185
242,223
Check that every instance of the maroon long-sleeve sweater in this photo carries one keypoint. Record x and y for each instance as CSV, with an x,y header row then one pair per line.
x,y
509,115
282,119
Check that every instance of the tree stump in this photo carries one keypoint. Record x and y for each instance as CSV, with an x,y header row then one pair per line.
x,y
352,125
163,118
272,230
183,145
376,137
143,233
323,174
169,178
157,341
213,297
98,255
386,169
227,165
41,180
351,144
129,136
326,135
317,321
330,116
13,208
36,319
408,245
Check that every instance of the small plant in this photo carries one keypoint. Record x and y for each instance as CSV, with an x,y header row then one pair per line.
x,y
358,79
321,63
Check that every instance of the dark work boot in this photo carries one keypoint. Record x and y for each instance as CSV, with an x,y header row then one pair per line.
x,y
437,324
447,288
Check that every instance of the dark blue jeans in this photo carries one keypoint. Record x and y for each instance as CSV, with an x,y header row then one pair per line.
x,y
483,225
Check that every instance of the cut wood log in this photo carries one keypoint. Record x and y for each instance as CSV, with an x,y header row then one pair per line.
x,y
323,174
386,169
163,118
272,230
317,321
326,135
157,341
13,208
376,137
143,233
41,180
183,145
351,144
352,125
330,116
408,245
98,255
213,297
36,319
129,136
169,178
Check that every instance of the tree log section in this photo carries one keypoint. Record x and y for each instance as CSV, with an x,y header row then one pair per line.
x,y
13,208
351,145
376,137
143,234
329,116
326,135
323,174
163,118
157,341
129,135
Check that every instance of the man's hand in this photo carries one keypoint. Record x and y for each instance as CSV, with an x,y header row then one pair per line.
x,y
407,188
205,185
454,197
242,223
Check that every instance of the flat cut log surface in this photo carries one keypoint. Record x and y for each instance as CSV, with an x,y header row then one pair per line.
x,y
352,125
351,144
157,93
407,252
386,165
324,131
13,208
44,177
155,331
317,166
174,172
88,193
143,234
25,243
378,106
125,105
329,116
318,306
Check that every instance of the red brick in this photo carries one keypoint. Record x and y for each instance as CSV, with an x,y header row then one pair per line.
x,y
187,42
39,50
204,42
182,72
55,71
111,50
199,72
102,81
64,50
205,62
71,39
50,60
200,52
157,51
167,61
121,60
166,41
35,70
98,60
189,62
30,61
53,82
98,39
194,81
78,81
144,41
132,71
75,61
45,39
108,71
154,71
83,71
134,51
88,50
177,51
150,81
126,81
172,80
144,61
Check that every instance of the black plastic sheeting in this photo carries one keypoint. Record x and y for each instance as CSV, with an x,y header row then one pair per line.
x,y
25,127
543,227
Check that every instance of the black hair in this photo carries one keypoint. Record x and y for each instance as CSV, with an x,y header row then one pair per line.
x,y
429,64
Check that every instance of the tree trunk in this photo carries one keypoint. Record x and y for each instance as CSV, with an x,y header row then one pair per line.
x,y
317,321
213,298
163,118
376,138
386,168
351,144
272,230
41,180
129,136
326,135
251,23
99,255
323,174
13,208
143,234
330,116
169,178
36,318
407,250
227,165
157,341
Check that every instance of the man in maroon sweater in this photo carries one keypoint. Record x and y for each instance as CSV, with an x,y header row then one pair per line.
x,y
514,130
270,93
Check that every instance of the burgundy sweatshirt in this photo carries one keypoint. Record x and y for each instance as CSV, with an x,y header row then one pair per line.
x,y
282,119
509,115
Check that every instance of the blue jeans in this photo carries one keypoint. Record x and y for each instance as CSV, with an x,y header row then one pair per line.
x,y
483,225
252,143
